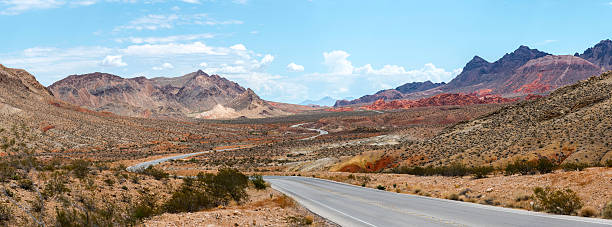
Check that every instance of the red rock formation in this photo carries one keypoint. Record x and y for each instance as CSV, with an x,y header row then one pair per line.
x,y
439,100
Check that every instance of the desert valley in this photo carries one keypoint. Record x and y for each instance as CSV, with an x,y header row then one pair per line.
x,y
523,140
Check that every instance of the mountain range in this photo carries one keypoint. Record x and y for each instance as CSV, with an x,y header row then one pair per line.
x,y
524,71
195,94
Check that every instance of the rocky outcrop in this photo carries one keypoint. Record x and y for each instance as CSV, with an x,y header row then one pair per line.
x,y
19,80
548,73
190,94
600,54
478,74
391,94
438,100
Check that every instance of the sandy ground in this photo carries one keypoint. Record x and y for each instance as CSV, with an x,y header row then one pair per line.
x,y
264,208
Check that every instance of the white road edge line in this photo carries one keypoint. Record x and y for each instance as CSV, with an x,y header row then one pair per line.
x,y
328,207
482,206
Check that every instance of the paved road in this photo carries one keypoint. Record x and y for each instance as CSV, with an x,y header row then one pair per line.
x,y
320,131
144,165
349,205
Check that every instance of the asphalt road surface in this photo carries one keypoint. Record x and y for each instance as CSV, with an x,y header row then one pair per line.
x,y
349,205
320,131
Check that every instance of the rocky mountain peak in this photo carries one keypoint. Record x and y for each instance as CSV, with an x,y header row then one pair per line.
x,y
600,54
476,62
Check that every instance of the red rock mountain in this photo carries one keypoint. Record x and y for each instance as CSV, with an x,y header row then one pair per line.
x,y
524,71
391,94
195,94
438,100
548,73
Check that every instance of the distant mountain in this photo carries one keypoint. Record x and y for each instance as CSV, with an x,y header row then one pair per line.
x,y
548,73
391,94
325,101
478,74
521,72
600,54
195,94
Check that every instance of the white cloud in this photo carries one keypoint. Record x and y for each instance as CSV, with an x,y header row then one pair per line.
x,y
295,67
192,1
225,22
164,66
14,7
166,39
238,47
337,62
170,49
150,22
203,64
240,1
113,61
267,59
167,21
83,3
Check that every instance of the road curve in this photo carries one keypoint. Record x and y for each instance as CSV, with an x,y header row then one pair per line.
x,y
144,165
320,131
349,205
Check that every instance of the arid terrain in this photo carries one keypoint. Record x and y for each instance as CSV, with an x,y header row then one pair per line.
x,y
64,147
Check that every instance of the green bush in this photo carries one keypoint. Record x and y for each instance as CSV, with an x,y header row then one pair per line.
x,y
573,166
607,211
545,166
26,184
144,207
380,187
259,182
482,171
5,214
80,168
208,190
188,199
557,201
158,174
56,185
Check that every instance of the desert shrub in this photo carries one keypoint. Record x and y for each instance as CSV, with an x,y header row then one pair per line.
x,y
300,220
557,201
188,199
208,190
545,166
8,172
226,183
573,166
259,182
608,163
56,185
481,171
79,168
524,167
588,212
607,211
5,214
145,206
454,170
380,187
283,201
453,197
26,184
158,174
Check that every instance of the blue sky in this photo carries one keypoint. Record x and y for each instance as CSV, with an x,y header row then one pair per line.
x,y
289,50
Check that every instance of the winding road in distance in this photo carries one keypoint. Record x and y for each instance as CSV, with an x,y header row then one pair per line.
x,y
144,165
349,205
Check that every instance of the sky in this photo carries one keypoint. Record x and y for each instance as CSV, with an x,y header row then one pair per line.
x,y
289,50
